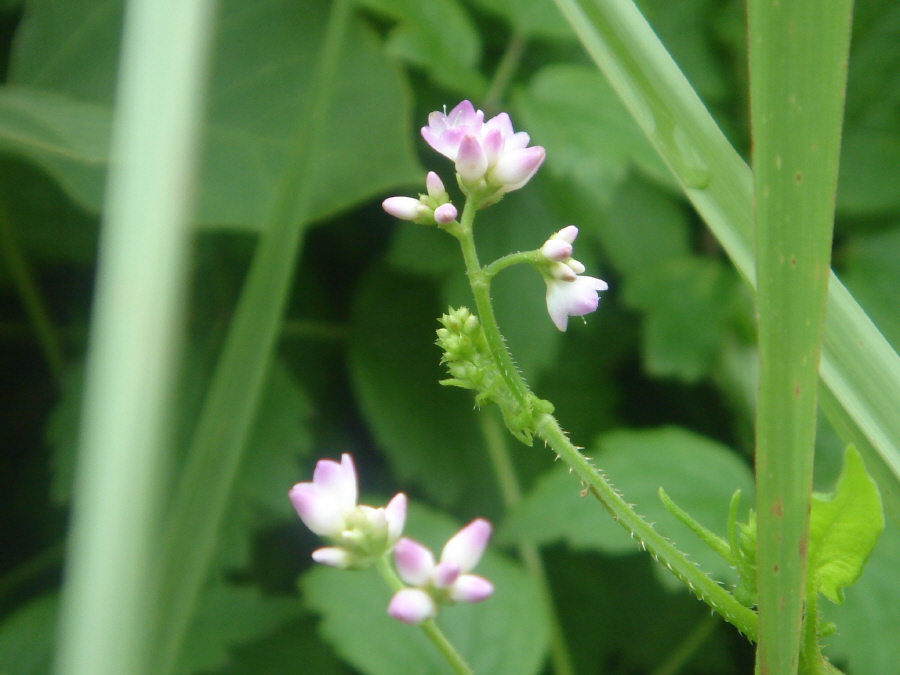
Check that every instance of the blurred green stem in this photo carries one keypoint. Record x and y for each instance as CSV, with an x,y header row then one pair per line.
x,y
505,470
23,279
682,655
429,627
506,69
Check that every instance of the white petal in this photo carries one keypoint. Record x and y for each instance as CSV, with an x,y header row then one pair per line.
x,y
466,547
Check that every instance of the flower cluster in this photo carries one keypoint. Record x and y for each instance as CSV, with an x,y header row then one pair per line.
x,y
491,159
362,535
327,506
443,583
430,208
568,292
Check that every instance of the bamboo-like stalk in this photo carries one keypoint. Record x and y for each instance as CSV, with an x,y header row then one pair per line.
x,y
798,64
109,593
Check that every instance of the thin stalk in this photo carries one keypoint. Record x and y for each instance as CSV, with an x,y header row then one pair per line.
x,y
798,61
549,430
511,493
481,285
506,69
207,480
111,590
430,628
492,270
29,293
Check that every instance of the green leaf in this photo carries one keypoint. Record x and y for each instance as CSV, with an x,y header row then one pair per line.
x,y
867,621
27,636
439,37
699,474
589,136
686,304
66,58
505,635
844,528
227,616
428,432
533,18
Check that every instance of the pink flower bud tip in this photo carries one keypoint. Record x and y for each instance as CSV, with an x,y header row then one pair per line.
x,y
412,606
404,208
445,214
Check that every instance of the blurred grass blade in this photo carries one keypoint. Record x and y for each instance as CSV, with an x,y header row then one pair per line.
x,y
798,66
858,365
109,593
217,447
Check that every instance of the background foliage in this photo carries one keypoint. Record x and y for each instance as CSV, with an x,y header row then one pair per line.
x,y
658,385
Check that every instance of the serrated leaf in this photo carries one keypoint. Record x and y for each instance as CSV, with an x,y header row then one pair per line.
x,y
67,55
27,637
844,528
867,621
699,474
504,635
589,136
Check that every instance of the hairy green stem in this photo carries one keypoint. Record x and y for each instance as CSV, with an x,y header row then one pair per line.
x,y
498,451
547,428
430,628
493,269
481,289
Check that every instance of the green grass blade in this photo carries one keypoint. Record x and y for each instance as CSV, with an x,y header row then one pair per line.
x,y
858,366
207,480
109,593
798,65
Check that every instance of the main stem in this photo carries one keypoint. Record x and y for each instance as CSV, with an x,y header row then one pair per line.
x,y
430,628
548,429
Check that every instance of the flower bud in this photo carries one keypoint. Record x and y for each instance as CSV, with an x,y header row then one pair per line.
x,y
445,214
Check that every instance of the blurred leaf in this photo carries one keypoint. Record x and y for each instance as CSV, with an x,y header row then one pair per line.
x,y
439,37
66,137
686,304
699,474
589,136
867,621
226,616
870,172
27,636
872,273
292,649
280,438
428,432
684,28
533,18
844,527
257,96
505,635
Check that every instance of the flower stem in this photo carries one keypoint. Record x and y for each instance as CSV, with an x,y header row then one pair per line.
x,y
490,271
498,450
430,628
507,67
481,285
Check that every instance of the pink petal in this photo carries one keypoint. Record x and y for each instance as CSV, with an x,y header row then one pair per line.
x,y
434,185
445,214
466,547
556,304
395,512
516,167
317,509
502,124
471,588
445,574
568,233
332,556
412,606
556,250
464,114
471,163
414,562
492,144
405,208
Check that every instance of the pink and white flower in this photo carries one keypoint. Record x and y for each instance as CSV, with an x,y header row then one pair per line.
x,y
569,293
445,582
490,157
328,507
